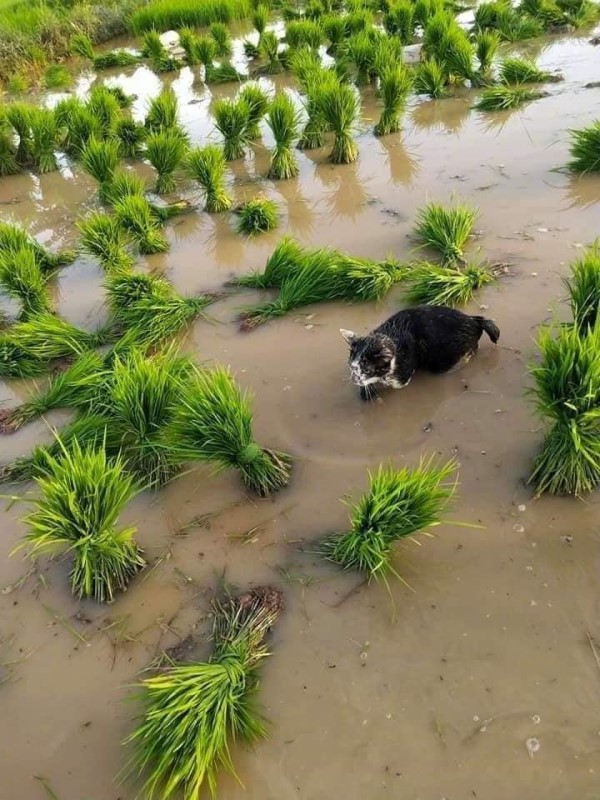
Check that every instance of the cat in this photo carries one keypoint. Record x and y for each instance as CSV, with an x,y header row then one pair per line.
x,y
434,338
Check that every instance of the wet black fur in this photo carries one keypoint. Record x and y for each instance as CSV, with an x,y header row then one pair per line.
x,y
434,338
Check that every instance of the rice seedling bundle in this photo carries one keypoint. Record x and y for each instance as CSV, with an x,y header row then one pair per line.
x,y
425,10
14,238
435,33
57,76
269,50
154,50
22,279
286,259
584,290
131,136
115,58
585,149
162,112
82,46
207,165
457,53
100,159
388,54
103,238
340,107
567,396
519,70
124,183
231,120
361,50
316,82
165,151
78,125
257,216
357,21
430,79
44,132
106,108
399,505
283,119
8,161
511,25
213,423
193,713
174,14
257,101
135,215
220,33
224,73
487,43
334,29
546,11
303,32
394,88
446,229
505,98
206,51
47,337
188,40
400,21
16,361
260,18
436,285
82,494
19,116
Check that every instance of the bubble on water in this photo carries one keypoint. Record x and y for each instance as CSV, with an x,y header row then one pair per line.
x,y
533,746
536,719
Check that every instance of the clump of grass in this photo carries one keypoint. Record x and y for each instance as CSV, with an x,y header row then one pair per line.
x,y
173,14
257,101
334,29
165,151
257,216
316,82
303,32
399,505
188,39
220,33
100,159
399,20
124,183
22,279
584,290
82,46
585,149
206,51
566,391
231,120
16,361
512,26
505,98
115,58
269,50
19,116
361,51
103,237
17,83
106,108
340,107
519,70
283,120
214,424
44,134
162,112
193,713
131,137
57,76
82,494
458,54
446,229
135,215
430,79
207,165
396,83
78,125
13,238
486,47
154,50
47,337
8,161
285,260
431,284
224,73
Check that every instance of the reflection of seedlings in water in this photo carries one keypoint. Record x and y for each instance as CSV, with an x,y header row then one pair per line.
x,y
445,229
450,115
585,149
350,196
227,249
582,190
45,783
257,216
404,166
300,215
283,119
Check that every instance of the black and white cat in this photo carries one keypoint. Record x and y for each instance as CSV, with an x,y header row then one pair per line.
x,y
434,338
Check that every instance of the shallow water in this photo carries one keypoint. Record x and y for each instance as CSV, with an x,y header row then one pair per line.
x,y
433,690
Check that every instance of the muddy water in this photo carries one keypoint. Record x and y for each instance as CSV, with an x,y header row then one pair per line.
x,y
428,692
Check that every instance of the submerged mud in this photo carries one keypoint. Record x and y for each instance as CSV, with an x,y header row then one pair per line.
x,y
435,688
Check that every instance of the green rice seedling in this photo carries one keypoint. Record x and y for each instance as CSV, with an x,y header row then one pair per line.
x,y
306,66
154,50
334,29
546,11
445,229
258,103
131,136
251,50
269,50
123,99
44,134
431,284
430,79
8,161
106,109
283,120
257,216
519,71
458,54
165,150
22,279
77,124
388,54
584,290
260,18
585,149
399,505
208,166
82,494
47,337
566,392
231,120
340,107
511,25
361,50
206,51
124,183
357,21
394,89
165,15
425,10
19,116
287,258
213,423
487,43
13,238
188,39
435,33
115,58
400,21
224,73
193,713
57,76
16,361
82,46
103,238
303,32
17,83
135,215
505,98
100,159
162,112
220,34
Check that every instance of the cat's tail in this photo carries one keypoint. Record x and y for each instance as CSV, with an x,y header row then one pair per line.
x,y
492,330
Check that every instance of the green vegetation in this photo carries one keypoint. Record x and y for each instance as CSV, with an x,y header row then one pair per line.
x,y
208,166
47,337
445,229
163,112
22,279
283,119
13,238
57,76
257,216
165,151
487,43
135,215
584,290
505,98
232,118
165,15
220,33
399,20
155,51
269,50
131,137
585,149
519,70
340,106
396,83
257,101
432,284
100,159
303,32
103,238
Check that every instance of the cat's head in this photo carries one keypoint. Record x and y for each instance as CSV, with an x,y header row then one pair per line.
x,y
372,358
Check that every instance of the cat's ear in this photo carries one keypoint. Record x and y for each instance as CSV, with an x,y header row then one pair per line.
x,y
349,336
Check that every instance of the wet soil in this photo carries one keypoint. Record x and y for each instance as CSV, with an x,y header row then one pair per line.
x,y
432,690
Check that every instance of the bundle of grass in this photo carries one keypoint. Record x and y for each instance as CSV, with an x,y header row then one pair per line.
x,y
396,83
425,10
584,290
44,134
399,505
303,32
13,238
334,30
154,50
19,116
131,136
518,71
283,119
260,19
8,161
188,40
445,229
388,54
103,238
567,397
162,112
57,77
193,713
231,120
257,101
81,45
511,25
435,33
165,151
505,98
100,159
340,106
287,258
47,337
431,284
486,46
361,50
213,423
220,33
16,361
22,279
116,58
399,21
585,149
207,165
77,124
125,183
82,494
106,108
430,79
357,21
135,215
269,50
257,216
318,85
457,53
206,51
224,73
